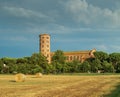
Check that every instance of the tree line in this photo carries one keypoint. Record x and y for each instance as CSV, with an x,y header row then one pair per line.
x,y
103,62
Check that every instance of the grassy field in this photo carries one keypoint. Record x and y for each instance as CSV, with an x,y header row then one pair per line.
x,y
61,86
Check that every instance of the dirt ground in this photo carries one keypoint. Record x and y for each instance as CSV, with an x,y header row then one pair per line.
x,y
58,86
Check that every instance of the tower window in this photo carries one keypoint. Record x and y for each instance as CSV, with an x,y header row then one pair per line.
x,y
47,37
42,41
47,55
47,41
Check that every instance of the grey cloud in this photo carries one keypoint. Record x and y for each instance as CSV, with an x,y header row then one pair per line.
x,y
25,13
88,14
59,16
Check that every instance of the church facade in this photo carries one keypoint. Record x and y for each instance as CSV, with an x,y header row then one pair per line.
x,y
44,40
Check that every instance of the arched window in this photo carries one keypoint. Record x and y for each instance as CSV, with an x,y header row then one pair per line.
x,y
70,57
74,57
67,57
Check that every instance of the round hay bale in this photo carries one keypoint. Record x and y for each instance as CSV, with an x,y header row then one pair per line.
x,y
20,77
38,75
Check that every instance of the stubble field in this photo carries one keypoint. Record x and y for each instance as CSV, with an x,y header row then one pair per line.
x,y
59,86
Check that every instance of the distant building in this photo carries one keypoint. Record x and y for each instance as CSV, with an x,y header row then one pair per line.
x,y
70,56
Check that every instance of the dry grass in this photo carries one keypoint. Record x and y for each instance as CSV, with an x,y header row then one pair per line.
x,y
58,86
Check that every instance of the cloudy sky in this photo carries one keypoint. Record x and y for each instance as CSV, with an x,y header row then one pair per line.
x,y
73,25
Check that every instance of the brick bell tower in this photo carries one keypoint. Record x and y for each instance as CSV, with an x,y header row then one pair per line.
x,y
44,40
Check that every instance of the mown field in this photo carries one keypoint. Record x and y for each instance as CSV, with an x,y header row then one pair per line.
x,y
61,86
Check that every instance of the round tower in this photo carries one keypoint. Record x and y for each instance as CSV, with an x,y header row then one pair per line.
x,y
45,46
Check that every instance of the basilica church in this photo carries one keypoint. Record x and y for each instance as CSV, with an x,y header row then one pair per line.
x,y
44,40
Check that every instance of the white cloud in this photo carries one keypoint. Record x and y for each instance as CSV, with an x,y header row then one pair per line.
x,y
88,14
14,40
116,48
101,47
49,28
18,38
107,48
77,40
26,13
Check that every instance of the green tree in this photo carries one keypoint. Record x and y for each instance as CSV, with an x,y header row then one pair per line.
x,y
95,65
65,68
85,66
21,61
8,61
102,56
59,57
70,67
108,67
39,59
114,58
117,67
22,68
36,59
13,68
1,65
74,66
50,69
36,69
58,67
